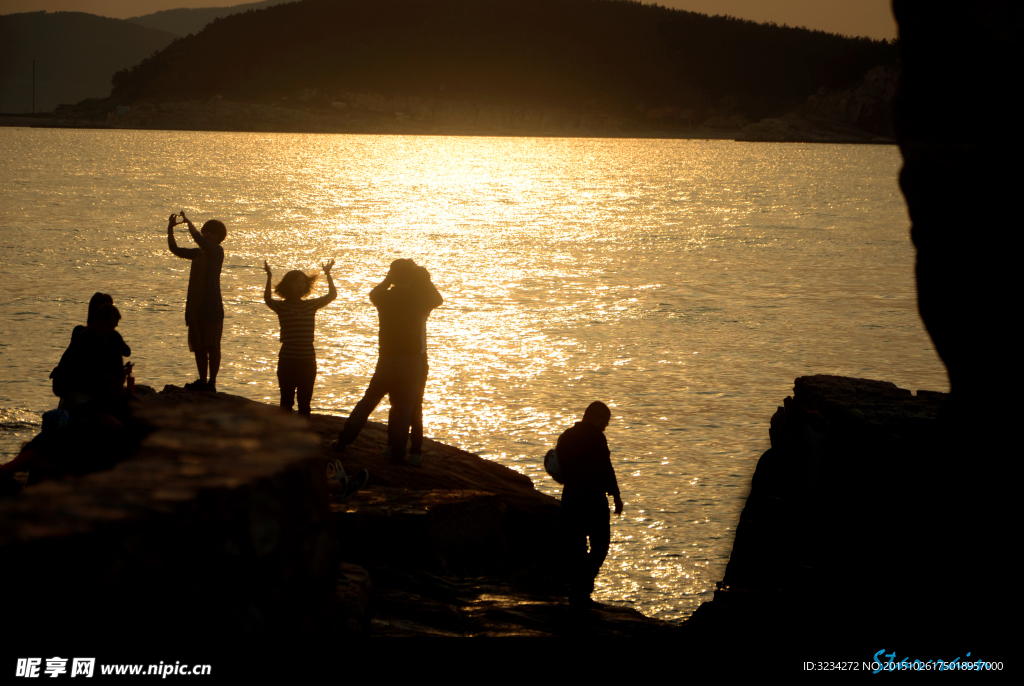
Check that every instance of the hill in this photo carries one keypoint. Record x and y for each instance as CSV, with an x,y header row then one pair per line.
x,y
186,20
622,59
75,54
862,114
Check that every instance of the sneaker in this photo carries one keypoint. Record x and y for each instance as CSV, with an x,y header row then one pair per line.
x,y
415,459
354,484
335,472
197,385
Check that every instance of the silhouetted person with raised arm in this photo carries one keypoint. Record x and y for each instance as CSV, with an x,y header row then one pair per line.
x,y
404,301
589,478
204,309
296,363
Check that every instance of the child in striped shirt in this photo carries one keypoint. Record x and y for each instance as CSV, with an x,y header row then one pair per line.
x,y
296,366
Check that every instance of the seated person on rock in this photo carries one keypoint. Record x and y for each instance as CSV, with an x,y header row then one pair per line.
x,y
91,375
63,383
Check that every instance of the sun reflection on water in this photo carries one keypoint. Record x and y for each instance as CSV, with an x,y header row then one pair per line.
x,y
685,283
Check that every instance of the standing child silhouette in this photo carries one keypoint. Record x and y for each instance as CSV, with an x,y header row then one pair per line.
x,y
204,310
296,365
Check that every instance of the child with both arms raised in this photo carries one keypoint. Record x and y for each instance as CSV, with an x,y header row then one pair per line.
x,y
296,365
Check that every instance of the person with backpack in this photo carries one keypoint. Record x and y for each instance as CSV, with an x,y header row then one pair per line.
x,y
584,463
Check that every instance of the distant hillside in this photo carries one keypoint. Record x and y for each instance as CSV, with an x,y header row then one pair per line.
x,y
75,55
863,113
186,20
621,58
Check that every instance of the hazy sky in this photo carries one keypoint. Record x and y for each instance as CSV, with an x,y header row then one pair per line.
x,y
851,17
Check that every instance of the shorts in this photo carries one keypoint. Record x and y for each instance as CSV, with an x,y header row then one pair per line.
x,y
204,335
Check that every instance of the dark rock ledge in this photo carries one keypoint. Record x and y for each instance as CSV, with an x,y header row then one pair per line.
x,y
218,534
832,542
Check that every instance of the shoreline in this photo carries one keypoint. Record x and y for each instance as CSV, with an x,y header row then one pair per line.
x,y
377,116
730,137
7,121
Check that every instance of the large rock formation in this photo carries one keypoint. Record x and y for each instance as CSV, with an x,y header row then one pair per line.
x,y
880,519
961,171
960,176
216,532
218,537
837,511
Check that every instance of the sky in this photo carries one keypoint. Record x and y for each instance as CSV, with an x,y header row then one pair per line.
x,y
872,18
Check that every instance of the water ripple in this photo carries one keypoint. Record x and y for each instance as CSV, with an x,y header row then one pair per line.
x,y
685,283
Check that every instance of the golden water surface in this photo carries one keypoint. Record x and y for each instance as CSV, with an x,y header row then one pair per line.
x,y
685,283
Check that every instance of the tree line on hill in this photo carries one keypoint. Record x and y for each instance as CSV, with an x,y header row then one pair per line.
x,y
185,20
617,56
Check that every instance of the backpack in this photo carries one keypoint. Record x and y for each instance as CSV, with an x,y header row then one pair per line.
x,y
61,382
63,374
552,467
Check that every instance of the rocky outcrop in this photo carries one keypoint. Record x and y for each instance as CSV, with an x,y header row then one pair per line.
x,y
837,509
425,604
216,529
219,528
863,114
881,514
868,105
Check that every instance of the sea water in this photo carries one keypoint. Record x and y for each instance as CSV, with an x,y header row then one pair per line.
x,y
685,283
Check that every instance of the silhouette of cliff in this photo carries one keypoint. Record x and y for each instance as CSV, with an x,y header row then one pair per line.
x,y
960,177
885,517
830,541
620,58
